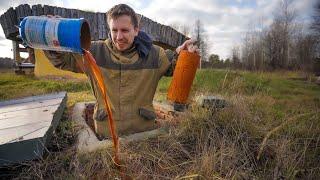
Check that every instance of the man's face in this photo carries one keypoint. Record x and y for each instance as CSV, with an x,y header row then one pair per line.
x,y
122,32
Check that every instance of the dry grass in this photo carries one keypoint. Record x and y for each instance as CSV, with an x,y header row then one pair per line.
x,y
270,130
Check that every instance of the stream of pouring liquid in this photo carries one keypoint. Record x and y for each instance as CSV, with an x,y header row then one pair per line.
x,y
94,69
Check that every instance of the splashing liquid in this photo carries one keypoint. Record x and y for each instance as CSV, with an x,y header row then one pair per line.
x,y
94,69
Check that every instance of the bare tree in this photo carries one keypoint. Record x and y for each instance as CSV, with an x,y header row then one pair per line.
x,y
271,47
202,39
316,34
183,28
235,57
316,27
284,28
253,48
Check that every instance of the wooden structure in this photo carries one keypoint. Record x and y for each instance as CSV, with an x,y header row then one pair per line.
x,y
44,68
162,35
26,126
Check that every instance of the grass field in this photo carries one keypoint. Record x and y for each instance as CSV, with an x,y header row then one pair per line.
x,y
270,129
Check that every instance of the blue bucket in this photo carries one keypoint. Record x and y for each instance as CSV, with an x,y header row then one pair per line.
x,y
56,34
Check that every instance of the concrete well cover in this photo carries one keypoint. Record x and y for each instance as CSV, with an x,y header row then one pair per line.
x,y
27,124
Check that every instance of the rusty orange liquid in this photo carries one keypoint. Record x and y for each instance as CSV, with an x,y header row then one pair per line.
x,y
94,69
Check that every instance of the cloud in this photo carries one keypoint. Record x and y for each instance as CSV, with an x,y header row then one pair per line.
x,y
4,5
3,43
2,37
225,22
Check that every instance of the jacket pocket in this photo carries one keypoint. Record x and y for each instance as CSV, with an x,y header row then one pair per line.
x,y
147,114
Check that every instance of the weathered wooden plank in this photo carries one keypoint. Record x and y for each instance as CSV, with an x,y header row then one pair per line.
x,y
158,28
100,25
27,10
89,17
103,26
80,14
60,11
8,22
56,11
23,11
67,13
63,12
17,9
74,13
95,25
170,37
23,49
34,10
48,10
15,51
162,33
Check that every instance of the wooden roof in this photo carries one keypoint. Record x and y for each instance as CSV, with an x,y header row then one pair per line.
x,y
161,34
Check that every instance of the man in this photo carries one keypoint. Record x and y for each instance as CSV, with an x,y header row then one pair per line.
x,y
131,66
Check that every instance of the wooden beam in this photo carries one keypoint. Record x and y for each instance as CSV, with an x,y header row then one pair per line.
x,y
23,50
16,52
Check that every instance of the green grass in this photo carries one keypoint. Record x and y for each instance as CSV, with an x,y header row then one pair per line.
x,y
278,86
16,86
280,107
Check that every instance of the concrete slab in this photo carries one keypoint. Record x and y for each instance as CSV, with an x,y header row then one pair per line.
x,y
26,126
211,102
87,141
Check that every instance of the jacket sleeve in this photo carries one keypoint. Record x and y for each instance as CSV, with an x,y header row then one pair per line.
x,y
71,61
168,60
65,61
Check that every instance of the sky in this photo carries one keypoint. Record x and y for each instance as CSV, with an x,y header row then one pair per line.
x,y
225,21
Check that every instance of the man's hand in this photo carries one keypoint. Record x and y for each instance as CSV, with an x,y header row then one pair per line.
x,y
190,46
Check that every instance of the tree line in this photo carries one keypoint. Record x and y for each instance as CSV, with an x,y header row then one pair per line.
x,y
285,44
6,63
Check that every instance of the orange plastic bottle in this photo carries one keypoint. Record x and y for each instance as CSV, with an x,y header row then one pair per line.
x,y
183,77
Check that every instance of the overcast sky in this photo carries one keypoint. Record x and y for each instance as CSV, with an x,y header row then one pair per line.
x,y
225,21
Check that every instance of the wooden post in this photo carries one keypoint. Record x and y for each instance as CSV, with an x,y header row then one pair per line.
x,y
16,52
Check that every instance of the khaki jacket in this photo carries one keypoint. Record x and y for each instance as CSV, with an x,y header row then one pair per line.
x,y
130,82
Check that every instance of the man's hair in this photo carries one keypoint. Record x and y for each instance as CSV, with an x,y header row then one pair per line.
x,y
123,9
